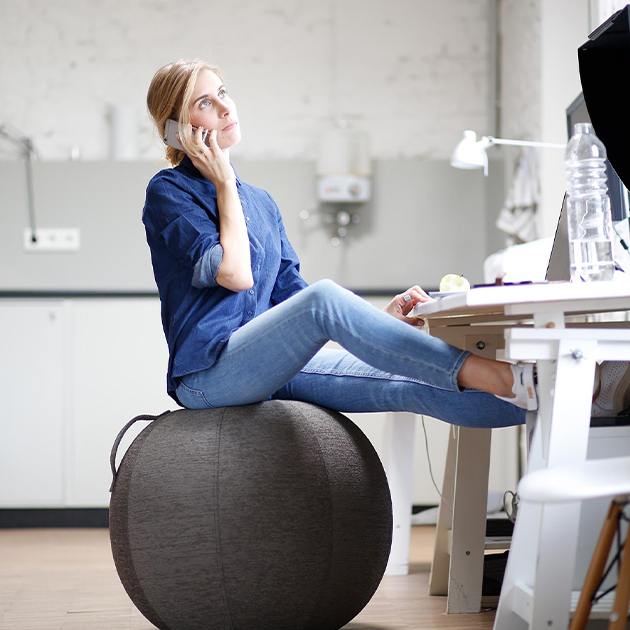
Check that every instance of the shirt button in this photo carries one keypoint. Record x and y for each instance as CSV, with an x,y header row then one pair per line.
x,y
250,313
251,291
258,267
247,218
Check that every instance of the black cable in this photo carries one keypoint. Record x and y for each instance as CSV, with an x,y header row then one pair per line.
x,y
621,241
10,133
28,150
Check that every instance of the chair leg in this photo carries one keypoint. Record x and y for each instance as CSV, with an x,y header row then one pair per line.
x,y
619,615
596,568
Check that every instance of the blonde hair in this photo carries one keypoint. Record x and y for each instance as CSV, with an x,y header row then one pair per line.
x,y
169,96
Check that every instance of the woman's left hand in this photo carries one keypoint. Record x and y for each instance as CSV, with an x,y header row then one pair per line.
x,y
403,303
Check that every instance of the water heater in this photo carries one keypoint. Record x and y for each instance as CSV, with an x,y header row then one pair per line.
x,y
343,166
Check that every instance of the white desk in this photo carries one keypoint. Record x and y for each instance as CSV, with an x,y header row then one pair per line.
x,y
531,321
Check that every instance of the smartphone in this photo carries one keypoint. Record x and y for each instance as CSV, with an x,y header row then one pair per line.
x,y
171,129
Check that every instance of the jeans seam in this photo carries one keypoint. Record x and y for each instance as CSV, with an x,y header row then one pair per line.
x,y
196,392
381,377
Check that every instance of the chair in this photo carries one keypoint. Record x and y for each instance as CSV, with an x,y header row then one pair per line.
x,y
590,480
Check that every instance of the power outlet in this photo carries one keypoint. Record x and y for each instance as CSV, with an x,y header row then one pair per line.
x,y
52,240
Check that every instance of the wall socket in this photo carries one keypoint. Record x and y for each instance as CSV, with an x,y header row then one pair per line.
x,y
52,240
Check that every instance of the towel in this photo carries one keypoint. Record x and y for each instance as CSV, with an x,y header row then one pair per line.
x,y
517,217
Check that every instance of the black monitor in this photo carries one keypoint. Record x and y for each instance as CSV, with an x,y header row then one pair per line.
x,y
577,113
604,62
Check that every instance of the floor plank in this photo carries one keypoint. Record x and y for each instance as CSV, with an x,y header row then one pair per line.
x,y
64,579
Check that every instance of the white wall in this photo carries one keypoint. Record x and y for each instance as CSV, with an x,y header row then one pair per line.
x,y
409,233
565,26
413,72
540,78
520,31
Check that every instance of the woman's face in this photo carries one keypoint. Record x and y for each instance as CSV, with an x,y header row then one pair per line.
x,y
212,108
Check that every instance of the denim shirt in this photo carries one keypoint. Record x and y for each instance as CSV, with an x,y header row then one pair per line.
x,y
182,225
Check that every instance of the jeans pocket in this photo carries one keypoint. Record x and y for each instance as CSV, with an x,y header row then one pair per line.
x,y
192,398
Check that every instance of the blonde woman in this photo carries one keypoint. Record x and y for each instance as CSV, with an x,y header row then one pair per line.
x,y
241,323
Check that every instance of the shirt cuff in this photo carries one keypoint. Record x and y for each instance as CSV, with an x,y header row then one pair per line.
x,y
207,267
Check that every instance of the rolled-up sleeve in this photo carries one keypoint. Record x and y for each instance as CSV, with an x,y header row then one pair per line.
x,y
207,268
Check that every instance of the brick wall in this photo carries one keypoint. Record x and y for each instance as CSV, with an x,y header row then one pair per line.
x,y
413,72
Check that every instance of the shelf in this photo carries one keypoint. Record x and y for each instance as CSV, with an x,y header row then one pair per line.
x,y
523,596
491,543
497,543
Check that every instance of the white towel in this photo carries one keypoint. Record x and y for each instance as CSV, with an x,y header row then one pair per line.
x,y
517,217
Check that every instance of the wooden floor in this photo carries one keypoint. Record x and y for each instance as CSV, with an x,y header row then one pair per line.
x,y
64,579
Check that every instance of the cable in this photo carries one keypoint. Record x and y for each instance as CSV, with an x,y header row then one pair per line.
x,y
28,152
621,241
27,148
426,442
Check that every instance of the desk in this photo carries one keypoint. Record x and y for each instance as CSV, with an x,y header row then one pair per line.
x,y
532,323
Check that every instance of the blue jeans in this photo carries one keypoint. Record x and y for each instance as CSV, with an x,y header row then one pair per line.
x,y
386,364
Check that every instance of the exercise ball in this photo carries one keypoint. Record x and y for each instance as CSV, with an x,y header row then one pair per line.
x,y
272,516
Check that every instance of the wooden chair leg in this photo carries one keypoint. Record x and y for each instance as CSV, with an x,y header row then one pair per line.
x,y
596,568
619,615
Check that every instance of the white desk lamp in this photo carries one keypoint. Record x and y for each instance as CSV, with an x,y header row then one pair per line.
x,y
470,153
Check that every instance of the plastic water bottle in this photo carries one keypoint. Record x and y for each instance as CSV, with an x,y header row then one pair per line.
x,y
588,207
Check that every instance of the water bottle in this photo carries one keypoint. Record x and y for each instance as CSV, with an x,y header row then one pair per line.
x,y
588,207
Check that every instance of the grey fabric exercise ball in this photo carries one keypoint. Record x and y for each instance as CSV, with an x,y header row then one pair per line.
x,y
273,516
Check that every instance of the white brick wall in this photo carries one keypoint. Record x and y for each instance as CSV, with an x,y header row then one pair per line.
x,y
413,72
521,69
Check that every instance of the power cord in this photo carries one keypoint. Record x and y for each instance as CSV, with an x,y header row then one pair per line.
x,y
426,442
621,241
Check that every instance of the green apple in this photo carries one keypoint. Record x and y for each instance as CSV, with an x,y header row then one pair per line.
x,y
453,282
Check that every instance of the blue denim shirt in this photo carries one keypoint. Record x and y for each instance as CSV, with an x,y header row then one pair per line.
x,y
182,226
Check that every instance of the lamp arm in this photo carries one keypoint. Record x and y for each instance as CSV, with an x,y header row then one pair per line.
x,y
28,150
522,143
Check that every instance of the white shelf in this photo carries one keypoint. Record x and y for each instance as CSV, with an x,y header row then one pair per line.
x,y
523,597
497,543
491,543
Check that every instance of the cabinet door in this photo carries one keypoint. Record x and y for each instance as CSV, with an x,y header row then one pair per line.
x,y
32,395
120,362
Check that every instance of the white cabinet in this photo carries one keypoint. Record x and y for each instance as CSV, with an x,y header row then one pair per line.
x,y
72,373
33,404
119,362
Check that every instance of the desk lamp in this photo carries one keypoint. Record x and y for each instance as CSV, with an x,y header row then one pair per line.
x,y
470,153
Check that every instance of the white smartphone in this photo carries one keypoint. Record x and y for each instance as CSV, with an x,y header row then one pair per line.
x,y
171,129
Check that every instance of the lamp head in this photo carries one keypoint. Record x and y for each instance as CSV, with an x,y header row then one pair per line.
x,y
470,153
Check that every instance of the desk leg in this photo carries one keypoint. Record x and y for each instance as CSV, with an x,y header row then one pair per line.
x,y
399,442
438,582
457,568
470,505
539,576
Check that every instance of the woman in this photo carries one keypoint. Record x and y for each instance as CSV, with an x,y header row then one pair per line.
x,y
243,326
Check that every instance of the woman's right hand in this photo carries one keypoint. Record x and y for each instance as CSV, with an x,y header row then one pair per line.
x,y
210,160
235,271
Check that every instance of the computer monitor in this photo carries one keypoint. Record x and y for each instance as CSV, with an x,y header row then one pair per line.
x,y
577,113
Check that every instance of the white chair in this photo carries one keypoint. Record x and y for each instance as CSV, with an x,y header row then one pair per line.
x,y
590,480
